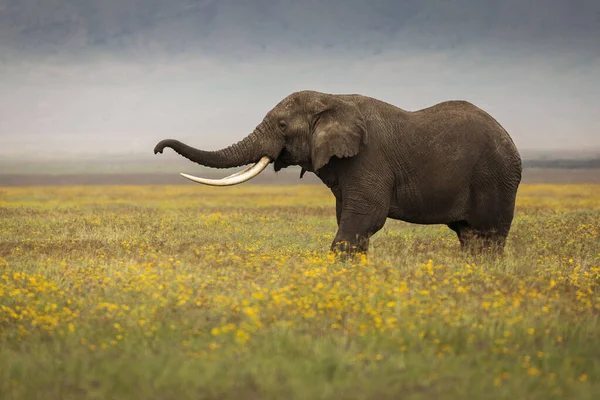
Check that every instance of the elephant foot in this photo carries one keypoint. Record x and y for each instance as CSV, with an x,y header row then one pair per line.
x,y
347,251
355,229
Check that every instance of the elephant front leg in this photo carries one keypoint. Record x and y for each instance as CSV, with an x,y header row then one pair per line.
x,y
338,210
355,230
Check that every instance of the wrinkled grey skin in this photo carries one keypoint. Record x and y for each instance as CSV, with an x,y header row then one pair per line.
x,y
451,163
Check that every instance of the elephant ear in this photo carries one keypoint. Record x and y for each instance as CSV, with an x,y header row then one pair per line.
x,y
339,131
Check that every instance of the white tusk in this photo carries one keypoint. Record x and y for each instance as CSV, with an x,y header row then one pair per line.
x,y
240,172
238,177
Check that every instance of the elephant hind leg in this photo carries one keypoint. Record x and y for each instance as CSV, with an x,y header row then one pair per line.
x,y
488,239
462,230
491,216
493,241
477,239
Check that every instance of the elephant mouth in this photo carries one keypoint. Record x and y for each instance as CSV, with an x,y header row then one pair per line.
x,y
234,179
280,164
284,160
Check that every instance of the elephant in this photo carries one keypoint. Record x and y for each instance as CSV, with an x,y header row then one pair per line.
x,y
450,163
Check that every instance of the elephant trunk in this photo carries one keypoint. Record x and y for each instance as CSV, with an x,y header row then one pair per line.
x,y
263,141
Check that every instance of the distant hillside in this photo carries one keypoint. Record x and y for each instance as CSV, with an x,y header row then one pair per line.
x,y
563,164
128,164
582,156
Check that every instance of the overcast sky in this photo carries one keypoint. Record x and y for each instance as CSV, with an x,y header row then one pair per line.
x,y
83,76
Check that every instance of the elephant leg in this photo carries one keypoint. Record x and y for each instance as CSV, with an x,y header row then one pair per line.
x,y
492,240
338,210
492,222
462,230
478,240
488,215
355,229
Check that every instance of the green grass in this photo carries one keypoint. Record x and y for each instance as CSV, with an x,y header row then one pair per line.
x,y
167,292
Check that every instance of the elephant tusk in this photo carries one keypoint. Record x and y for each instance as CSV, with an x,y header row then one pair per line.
x,y
241,172
234,179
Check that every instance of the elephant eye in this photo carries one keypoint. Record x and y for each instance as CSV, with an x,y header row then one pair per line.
x,y
282,125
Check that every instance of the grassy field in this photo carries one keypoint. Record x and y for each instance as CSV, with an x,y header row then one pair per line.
x,y
176,292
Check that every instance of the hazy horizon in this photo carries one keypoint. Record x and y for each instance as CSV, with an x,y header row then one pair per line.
x,y
114,77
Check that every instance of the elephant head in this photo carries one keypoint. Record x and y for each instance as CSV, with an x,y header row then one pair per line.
x,y
306,128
